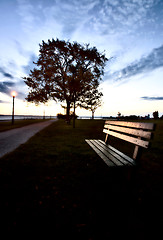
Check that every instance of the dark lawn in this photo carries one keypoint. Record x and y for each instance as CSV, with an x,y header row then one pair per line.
x,y
56,185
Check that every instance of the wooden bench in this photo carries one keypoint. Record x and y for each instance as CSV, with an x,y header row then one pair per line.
x,y
137,133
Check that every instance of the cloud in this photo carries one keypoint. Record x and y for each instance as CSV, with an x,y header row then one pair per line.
x,y
152,98
148,63
65,17
33,58
1,101
102,16
21,95
5,87
9,84
27,12
120,17
99,21
5,74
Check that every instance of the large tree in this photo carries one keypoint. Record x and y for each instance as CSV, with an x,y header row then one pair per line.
x,y
65,71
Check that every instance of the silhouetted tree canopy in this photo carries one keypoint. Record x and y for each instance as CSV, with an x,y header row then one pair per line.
x,y
155,115
65,71
91,100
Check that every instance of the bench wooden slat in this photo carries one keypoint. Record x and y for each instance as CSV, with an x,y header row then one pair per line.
x,y
125,157
136,141
110,153
135,132
106,160
149,126
111,157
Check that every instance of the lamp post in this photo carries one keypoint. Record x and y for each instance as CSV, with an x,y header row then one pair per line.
x,y
13,95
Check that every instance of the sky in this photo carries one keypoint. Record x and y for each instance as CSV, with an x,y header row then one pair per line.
x,y
130,32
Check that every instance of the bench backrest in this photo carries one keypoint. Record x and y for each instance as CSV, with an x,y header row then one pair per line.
x,y
137,133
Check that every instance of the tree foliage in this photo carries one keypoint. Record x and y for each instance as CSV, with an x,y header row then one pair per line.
x,y
155,115
65,71
91,101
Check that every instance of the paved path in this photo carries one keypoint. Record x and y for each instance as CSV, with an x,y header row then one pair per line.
x,y
11,139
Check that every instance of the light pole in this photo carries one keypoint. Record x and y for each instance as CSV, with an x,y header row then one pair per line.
x,y
13,95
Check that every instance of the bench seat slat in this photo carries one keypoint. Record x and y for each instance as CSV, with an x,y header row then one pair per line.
x,y
106,160
110,155
135,132
121,156
136,141
149,126
107,154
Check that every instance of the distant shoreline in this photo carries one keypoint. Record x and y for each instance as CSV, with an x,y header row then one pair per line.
x,y
26,117
23,117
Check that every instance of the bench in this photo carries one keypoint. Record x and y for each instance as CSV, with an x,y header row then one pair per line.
x,y
137,133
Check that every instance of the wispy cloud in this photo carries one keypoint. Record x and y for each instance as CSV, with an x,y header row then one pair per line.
x,y
146,64
5,87
32,58
117,19
2,101
152,98
107,17
6,74
27,13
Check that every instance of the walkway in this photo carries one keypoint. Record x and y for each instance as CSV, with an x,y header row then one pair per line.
x,y
11,139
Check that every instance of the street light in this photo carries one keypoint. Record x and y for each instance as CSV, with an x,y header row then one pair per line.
x,y
13,95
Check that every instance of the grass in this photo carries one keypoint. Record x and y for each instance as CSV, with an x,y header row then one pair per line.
x,y
56,184
7,125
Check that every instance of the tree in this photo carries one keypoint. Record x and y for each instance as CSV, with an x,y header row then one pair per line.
x,y
155,115
119,115
65,71
91,101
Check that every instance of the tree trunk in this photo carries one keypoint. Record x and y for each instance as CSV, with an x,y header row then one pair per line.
x,y
93,114
74,116
68,113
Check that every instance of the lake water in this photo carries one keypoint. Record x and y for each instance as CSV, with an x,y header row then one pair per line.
x,y
22,117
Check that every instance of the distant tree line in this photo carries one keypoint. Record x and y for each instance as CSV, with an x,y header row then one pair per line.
x,y
135,117
63,116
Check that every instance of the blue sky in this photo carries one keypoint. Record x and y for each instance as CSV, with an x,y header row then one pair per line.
x,y
129,31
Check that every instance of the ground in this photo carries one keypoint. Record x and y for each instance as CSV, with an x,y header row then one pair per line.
x,y
55,184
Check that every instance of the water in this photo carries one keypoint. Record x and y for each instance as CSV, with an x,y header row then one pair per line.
x,y
23,117
95,117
